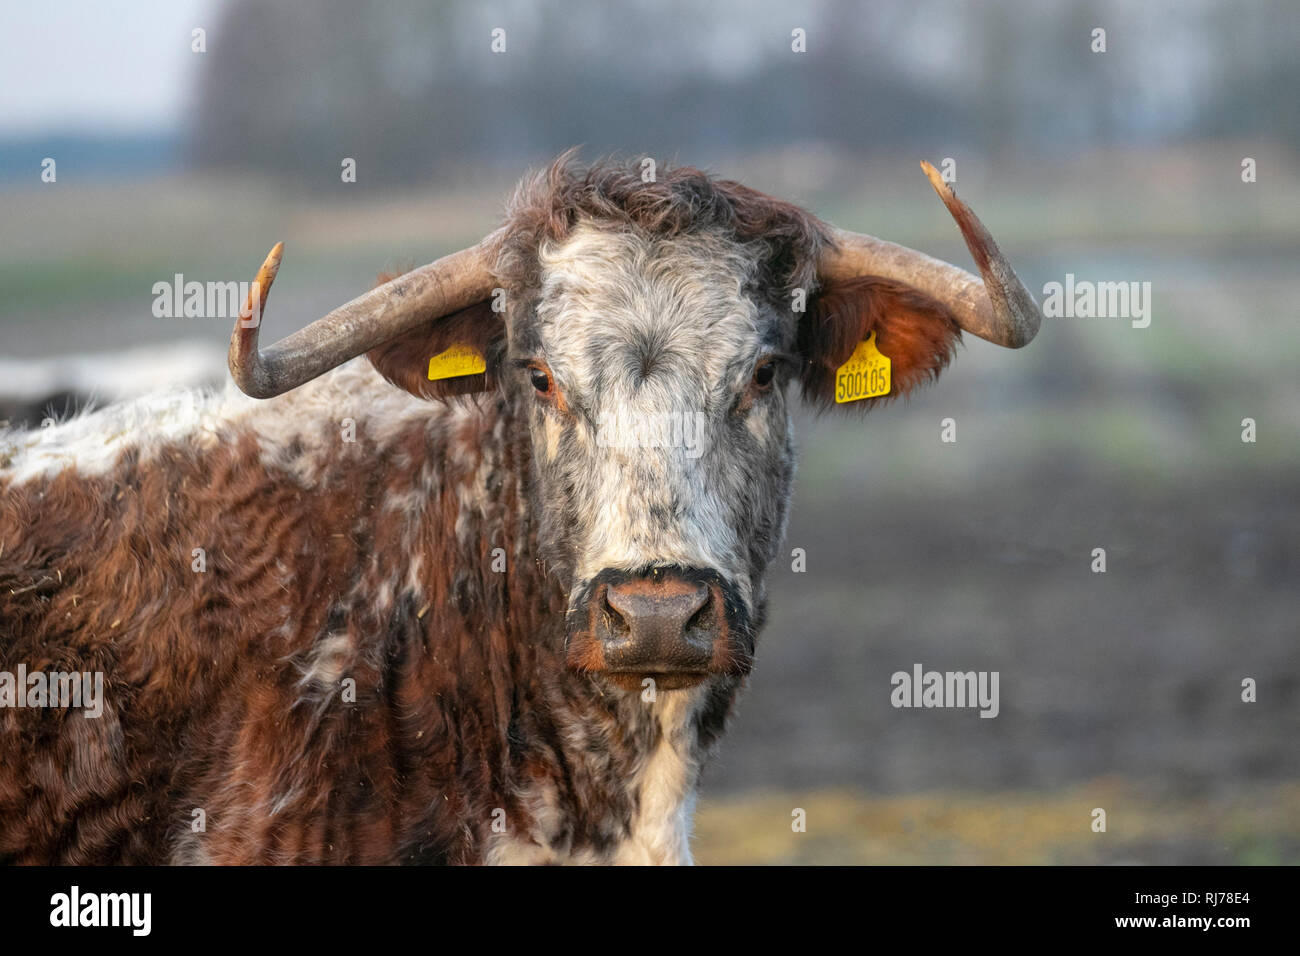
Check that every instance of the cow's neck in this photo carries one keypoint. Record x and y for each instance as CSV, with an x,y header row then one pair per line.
x,y
593,773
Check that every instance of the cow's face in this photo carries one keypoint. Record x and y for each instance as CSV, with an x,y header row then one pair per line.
x,y
653,380
653,323
652,329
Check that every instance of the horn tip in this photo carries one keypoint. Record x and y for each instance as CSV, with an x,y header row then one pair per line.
x,y
272,263
937,181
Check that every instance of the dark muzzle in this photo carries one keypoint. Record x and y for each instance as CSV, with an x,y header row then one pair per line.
x,y
674,625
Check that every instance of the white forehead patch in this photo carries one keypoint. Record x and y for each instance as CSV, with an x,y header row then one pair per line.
x,y
651,321
658,335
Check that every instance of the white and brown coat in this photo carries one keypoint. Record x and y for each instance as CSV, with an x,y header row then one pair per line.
x,y
481,728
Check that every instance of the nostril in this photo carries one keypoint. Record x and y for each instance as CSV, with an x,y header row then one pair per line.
x,y
616,624
702,619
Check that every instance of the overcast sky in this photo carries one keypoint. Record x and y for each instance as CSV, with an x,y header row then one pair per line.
x,y
126,65
102,65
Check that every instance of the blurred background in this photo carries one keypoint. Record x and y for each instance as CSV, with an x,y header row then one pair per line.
x,y
178,152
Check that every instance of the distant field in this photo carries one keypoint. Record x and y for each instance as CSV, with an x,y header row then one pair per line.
x,y
1017,828
96,241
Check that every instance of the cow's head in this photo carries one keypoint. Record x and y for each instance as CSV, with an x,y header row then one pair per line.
x,y
649,334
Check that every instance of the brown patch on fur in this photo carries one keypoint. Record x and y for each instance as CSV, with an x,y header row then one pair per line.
x,y
917,333
586,653
222,689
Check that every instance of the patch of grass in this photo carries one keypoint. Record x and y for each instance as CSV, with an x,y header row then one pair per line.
x,y
1260,826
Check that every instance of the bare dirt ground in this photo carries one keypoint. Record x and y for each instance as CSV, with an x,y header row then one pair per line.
x,y
1119,690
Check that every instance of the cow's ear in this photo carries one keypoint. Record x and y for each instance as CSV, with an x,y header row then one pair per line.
x,y
460,342
916,333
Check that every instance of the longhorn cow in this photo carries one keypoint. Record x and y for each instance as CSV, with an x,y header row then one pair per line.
x,y
477,571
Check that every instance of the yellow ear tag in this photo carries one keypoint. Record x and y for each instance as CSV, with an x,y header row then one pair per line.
x,y
864,375
455,362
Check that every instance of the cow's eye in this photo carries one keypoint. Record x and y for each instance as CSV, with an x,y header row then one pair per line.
x,y
764,372
540,379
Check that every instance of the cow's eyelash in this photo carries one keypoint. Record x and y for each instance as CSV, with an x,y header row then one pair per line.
x,y
783,361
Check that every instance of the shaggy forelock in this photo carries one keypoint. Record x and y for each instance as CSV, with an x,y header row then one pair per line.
x,y
784,241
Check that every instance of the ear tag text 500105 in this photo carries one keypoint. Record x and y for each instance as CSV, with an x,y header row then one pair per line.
x,y
864,375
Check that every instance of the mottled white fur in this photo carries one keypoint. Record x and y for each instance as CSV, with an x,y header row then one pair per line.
x,y
664,788
314,414
661,829
604,294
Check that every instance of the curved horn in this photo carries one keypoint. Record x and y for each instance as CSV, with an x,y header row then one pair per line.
x,y
447,285
999,309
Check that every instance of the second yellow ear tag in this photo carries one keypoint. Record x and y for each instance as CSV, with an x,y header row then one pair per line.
x,y
456,361
864,375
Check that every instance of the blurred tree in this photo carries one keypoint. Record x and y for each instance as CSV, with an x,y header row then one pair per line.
x,y
413,91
